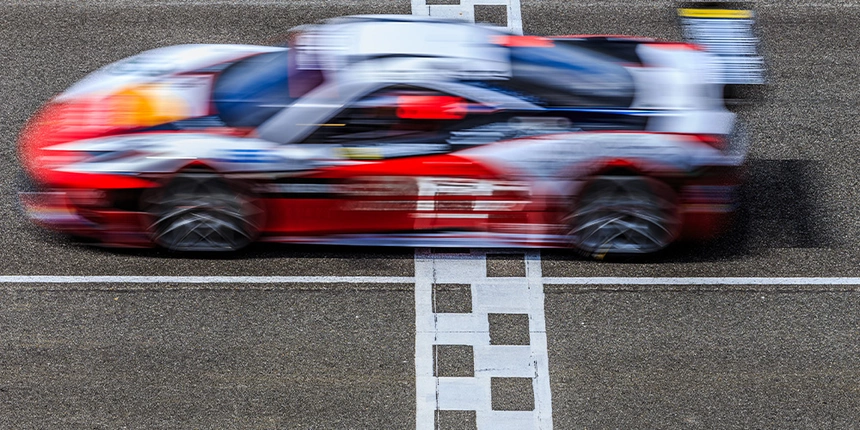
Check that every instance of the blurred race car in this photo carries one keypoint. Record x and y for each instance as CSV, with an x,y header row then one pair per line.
x,y
391,130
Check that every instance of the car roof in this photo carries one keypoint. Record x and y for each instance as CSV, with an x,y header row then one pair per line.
x,y
402,45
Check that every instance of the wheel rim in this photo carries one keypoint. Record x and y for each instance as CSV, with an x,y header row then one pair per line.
x,y
201,212
624,215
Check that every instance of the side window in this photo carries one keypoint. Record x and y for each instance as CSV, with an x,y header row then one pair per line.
x,y
569,76
406,114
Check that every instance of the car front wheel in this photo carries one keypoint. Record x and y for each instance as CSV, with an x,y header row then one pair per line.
x,y
202,211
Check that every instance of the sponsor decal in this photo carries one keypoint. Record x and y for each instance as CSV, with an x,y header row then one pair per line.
x,y
730,34
249,155
422,194
142,105
360,152
715,13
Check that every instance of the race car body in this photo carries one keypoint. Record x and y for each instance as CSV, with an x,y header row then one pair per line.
x,y
391,130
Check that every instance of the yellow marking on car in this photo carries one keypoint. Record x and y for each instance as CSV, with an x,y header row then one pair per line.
x,y
715,13
146,105
360,153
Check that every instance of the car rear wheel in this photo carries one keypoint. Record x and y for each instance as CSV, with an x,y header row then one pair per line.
x,y
202,211
622,215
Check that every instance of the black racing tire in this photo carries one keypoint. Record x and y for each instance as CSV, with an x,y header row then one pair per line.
x,y
623,215
201,211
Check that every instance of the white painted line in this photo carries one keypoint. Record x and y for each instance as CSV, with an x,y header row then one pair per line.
x,y
425,382
523,295
537,338
206,280
504,286
701,281
466,11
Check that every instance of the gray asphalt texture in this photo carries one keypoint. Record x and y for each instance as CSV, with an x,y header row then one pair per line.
x,y
341,356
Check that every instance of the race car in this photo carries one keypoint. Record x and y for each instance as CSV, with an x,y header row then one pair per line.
x,y
392,130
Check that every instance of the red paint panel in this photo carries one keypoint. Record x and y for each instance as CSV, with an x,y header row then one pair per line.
x,y
523,41
678,46
95,181
431,107
331,216
434,165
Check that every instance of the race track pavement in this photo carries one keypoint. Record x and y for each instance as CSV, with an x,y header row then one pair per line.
x,y
309,352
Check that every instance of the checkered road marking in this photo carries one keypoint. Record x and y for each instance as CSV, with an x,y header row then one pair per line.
x,y
494,366
466,10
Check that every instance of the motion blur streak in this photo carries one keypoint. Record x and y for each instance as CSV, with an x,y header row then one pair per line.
x,y
393,130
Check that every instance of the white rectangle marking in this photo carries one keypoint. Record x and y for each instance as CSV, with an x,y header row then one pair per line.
x,y
460,329
463,394
512,361
502,299
457,269
505,420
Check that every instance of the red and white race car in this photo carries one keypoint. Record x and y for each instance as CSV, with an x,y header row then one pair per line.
x,y
391,130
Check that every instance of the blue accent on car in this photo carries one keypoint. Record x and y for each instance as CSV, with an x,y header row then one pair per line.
x,y
245,156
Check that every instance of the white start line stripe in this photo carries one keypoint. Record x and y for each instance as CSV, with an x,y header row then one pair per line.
x,y
491,360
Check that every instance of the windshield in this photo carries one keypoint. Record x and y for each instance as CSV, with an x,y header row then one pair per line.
x,y
252,90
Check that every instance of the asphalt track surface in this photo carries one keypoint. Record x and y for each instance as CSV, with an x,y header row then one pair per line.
x,y
305,355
